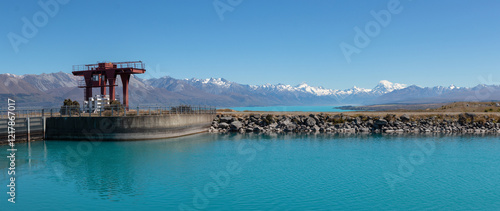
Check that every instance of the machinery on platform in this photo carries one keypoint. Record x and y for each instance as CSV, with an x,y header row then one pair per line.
x,y
104,75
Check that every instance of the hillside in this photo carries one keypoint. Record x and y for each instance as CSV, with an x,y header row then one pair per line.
x,y
47,90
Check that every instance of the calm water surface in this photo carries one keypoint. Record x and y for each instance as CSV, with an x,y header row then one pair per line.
x,y
263,172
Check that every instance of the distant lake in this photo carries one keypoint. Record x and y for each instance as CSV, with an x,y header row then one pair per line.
x,y
291,108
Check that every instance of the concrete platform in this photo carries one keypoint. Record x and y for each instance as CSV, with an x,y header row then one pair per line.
x,y
126,128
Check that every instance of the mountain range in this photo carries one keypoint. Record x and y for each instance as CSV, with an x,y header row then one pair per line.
x,y
49,90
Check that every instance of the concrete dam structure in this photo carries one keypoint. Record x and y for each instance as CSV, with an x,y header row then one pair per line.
x,y
126,128
104,118
99,123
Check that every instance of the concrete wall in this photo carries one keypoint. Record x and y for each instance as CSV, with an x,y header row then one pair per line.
x,y
21,129
126,128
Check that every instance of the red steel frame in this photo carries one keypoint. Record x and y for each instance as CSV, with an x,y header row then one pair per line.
x,y
98,75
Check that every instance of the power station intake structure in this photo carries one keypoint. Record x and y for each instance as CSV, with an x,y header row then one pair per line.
x,y
105,74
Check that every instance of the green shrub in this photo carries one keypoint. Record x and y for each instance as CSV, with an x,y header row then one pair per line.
x,y
70,106
115,105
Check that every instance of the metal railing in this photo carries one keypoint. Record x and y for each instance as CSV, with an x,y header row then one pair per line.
x,y
85,67
23,113
110,111
134,64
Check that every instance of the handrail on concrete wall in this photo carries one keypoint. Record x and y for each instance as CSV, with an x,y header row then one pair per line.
x,y
112,110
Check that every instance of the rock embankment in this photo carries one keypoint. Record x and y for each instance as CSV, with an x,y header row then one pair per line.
x,y
340,123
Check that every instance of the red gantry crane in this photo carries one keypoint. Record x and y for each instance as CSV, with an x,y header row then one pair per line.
x,y
104,75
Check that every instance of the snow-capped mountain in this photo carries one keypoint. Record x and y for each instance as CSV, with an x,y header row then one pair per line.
x,y
385,86
221,84
51,89
382,88
216,85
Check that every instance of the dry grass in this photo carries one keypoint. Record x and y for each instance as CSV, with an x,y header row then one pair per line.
x,y
225,110
470,107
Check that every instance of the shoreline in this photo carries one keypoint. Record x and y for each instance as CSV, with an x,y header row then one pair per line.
x,y
357,122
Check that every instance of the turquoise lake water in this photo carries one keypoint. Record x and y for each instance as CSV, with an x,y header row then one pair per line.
x,y
291,108
260,172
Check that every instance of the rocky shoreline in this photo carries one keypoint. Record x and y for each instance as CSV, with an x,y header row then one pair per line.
x,y
465,123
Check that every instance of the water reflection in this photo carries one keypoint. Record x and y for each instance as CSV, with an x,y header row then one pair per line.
x,y
115,170
24,159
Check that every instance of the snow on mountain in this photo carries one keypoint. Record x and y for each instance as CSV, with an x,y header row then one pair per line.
x,y
301,88
382,88
385,86
44,82
14,75
318,91
221,82
50,89
352,91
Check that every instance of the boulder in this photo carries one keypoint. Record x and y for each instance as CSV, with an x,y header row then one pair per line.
x,y
310,121
273,125
236,125
215,124
380,123
364,130
358,121
257,129
223,125
226,119
290,126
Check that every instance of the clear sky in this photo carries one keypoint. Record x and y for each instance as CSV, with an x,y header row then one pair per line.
x,y
425,42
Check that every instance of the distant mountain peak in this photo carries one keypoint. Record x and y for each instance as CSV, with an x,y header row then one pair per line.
x,y
385,86
51,88
13,75
219,82
215,80
303,85
385,82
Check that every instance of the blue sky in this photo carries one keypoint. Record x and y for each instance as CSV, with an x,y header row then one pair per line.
x,y
263,41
